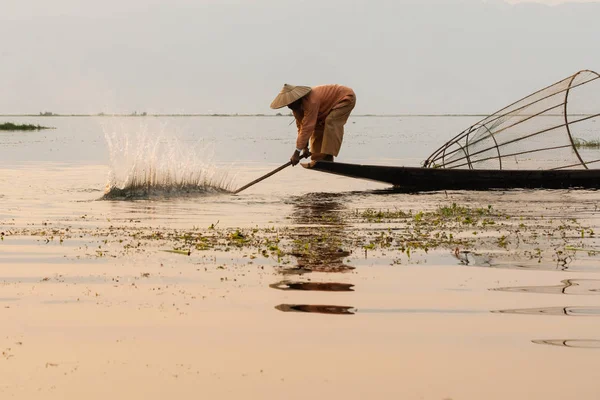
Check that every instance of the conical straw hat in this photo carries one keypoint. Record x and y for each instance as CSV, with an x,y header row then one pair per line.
x,y
289,94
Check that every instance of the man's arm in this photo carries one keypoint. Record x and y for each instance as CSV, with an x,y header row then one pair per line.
x,y
305,130
298,116
309,122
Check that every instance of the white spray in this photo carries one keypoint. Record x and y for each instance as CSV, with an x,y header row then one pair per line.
x,y
150,162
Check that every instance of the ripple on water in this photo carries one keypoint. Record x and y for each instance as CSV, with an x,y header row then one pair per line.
x,y
574,343
8,299
567,286
348,310
519,262
591,311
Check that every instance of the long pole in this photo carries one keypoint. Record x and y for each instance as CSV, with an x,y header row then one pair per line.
x,y
276,170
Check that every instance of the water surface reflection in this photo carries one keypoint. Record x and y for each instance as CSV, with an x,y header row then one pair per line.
x,y
574,343
318,233
318,309
519,262
327,309
591,311
314,286
567,286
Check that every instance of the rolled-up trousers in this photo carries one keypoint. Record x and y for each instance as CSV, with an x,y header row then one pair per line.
x,y
328,136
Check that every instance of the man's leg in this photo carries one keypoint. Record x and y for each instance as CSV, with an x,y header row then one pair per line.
x,y
334,128
316,141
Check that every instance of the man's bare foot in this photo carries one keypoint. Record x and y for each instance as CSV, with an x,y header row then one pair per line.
x,y
321,157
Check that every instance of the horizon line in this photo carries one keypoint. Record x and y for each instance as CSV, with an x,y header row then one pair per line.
x,y
235,115
159,115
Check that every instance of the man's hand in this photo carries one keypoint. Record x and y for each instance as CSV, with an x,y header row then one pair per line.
x,y
295,159
305,153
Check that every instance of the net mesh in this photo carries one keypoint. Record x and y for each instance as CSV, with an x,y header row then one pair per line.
x,y
553,128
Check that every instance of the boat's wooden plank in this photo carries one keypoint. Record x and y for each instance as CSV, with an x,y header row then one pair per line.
x,y
416,178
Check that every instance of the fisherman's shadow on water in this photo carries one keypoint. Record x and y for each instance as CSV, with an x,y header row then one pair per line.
x,y
318,233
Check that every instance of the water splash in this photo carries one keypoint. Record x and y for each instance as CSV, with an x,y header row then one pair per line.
x,y
147,163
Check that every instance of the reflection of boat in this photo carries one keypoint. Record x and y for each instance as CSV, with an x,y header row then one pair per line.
x,y
318,234
538,141
314,286
420,179
319,309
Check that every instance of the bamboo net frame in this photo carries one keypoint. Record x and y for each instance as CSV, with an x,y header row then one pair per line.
x,y
544,130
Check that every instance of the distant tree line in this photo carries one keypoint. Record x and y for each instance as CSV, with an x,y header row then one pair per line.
x,y
9,126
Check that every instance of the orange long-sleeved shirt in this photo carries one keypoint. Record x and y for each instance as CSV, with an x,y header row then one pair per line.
x,y
315,107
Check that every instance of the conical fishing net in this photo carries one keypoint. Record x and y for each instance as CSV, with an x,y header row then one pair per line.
x,y
557,127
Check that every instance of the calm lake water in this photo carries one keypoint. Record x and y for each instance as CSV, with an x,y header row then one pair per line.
x,y
73,162
92,318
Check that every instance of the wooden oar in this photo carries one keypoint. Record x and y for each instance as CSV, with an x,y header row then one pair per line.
x,y
276,170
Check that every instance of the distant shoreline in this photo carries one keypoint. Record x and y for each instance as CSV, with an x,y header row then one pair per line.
x,y
10,127
103,115
231,115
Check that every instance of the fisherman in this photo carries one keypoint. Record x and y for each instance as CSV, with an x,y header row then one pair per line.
x,y
321,113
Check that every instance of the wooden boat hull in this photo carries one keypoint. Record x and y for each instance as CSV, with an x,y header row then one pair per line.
x,y
427,179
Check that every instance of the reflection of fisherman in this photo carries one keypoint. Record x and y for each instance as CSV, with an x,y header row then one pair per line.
x,y
319,249
321,113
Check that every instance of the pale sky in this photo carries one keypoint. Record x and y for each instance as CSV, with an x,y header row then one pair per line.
x,y
550,2
227,56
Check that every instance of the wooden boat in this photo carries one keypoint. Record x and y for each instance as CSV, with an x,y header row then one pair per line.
x,y
545,129
430,179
